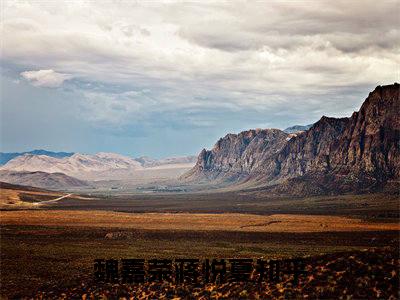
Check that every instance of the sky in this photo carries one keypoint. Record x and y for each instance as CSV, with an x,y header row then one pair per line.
x,y
167,78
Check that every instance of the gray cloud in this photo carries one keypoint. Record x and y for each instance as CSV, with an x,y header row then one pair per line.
x,y
281,24
129,64
45,78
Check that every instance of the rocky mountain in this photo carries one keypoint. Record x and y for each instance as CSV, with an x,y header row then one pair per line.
x,y
83,166
5,157
334,155
236,156
42,180
297,128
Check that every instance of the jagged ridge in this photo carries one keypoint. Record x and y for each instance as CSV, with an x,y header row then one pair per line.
x,y
358,152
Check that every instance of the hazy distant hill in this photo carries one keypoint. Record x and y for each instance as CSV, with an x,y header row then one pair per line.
x,y
78,165
297,128
148,162
5,157
10,186
335,155
42,180
100,166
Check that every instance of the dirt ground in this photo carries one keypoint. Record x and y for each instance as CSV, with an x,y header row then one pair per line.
x,y
51,247
193,221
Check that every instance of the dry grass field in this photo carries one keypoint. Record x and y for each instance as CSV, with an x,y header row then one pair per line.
x,y
50,246
365,206
18,197
194,221
367,274
11,198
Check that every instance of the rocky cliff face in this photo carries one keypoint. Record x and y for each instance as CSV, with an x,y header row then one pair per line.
x,y
235,156
370,144
344,154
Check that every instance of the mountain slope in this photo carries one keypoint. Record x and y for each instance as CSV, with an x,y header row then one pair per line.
x,y
5,157
101,166
346,154
42,180
236,156
366,144
78,165
9,186
148,162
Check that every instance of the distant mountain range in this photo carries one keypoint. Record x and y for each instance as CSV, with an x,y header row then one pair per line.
x,y
334,155
5,157
42,180
82,167
148,162
78,165
297,128
360,153
145,161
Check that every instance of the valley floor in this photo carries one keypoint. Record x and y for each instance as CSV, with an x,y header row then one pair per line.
x,y
193,221
51,247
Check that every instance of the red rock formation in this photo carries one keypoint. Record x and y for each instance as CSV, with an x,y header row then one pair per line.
x,y
346,154
235,156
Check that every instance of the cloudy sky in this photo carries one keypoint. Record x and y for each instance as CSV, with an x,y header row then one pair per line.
x,y
169,78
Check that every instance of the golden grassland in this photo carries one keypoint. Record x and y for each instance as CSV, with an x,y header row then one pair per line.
x,y
371,274
12,198
52,246
193,221
29,199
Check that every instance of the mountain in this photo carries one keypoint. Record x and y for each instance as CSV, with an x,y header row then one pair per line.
x,y
100,166
297,128
42,180
145,160
9,186
335,155
5,157
148,162
78,165
235,156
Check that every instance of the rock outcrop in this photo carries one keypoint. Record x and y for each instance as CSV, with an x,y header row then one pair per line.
x,y
343,154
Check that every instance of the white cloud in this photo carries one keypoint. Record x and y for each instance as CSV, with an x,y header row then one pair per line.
x,y
45,78
196,55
